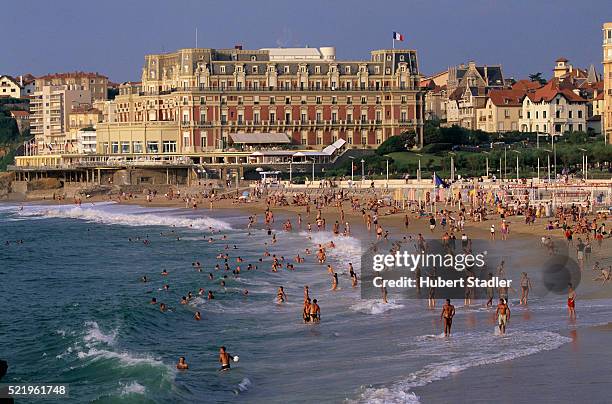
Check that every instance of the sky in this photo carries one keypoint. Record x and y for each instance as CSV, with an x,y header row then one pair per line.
x,y
112,36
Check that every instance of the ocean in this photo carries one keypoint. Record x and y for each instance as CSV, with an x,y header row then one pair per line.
x,y
75,311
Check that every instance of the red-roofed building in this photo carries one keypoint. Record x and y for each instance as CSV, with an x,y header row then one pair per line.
x,y
553,109
526,85
502,111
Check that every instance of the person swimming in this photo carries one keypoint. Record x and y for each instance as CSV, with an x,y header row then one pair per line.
x,y
197,316
182,365
281,297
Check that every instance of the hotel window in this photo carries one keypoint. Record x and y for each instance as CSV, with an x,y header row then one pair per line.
x,y
364,100
377,69
544,114
256,118
319,138
303,118
319,117
272,100
255,70
253,58
272,117
334,136
334,117
349,139
349,99
137,147
403,116
302,69
347,69
222,69
318,100
115,147
125,147
304,138
202,116
349,118
569,114
105,148
507,113
403,99
203,139
286,69
579,114
186,142
317,69
364,136
152,147
334,100
500,126
169,146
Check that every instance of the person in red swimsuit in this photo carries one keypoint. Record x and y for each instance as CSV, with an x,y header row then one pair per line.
x,y
571,302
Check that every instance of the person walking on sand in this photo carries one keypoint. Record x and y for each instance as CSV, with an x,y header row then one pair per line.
x,y
448,312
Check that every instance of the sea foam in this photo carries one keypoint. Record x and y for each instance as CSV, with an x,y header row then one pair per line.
x,y
132,217
476,351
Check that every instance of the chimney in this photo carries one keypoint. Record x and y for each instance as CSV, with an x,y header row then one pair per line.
x,y
20,80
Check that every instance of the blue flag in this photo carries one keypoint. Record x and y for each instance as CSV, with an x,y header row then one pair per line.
x,y
438,181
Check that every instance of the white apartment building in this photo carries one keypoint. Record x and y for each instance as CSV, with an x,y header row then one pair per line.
x,y
86,141
553,110
50,109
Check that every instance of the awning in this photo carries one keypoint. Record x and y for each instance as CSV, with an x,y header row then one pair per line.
x,y
259,138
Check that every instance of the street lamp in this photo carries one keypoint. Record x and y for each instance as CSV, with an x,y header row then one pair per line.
x,y
517,163
584,163
419,170
487,162
313,171
362,171
452,166
548,159
352,167
387,182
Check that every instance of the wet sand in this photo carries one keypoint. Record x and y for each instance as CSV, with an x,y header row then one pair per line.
x,y
577,372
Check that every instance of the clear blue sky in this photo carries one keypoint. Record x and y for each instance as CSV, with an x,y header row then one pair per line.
x,y
112,36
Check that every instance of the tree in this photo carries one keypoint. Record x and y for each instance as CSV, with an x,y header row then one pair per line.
x,y
537,77
402,142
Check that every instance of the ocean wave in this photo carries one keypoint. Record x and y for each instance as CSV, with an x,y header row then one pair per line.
x,y
132,388
134,218
95,334
473,350
375,306
348,249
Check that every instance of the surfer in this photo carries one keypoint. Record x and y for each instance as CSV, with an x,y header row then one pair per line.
x,y
448,312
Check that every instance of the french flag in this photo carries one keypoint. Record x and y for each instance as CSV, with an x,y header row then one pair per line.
x,y
397,36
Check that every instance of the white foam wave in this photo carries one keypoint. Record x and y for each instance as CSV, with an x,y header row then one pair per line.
x,y
375,306
132,388
348,249
95,334
475,350
125,358
134,218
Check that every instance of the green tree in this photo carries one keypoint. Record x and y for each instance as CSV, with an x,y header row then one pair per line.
x,y
537,77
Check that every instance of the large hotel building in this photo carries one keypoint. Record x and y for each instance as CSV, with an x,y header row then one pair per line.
x,y
193,100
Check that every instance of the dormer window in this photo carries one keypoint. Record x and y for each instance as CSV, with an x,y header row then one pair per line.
x,y
303,69
389,58
347,70
317,69
255,70
253,58
286,69
401,58
222,69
